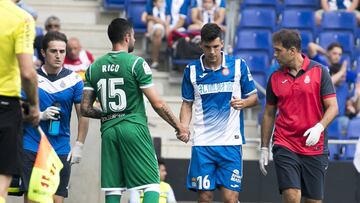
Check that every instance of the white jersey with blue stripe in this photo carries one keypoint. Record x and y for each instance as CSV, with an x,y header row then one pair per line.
x,y
64,88
215,121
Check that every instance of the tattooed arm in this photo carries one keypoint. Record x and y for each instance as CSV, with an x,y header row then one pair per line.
x,y
87,105
165,112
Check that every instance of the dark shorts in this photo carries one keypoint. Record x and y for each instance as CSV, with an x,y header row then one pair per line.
x,y
306,173
11,148
29,160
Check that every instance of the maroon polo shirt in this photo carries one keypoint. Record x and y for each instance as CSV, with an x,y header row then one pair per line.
x,y
299,101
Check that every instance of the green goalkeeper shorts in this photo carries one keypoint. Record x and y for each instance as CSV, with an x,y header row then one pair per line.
x,y
128,158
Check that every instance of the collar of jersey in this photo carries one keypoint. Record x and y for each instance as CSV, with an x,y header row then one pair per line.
x,y
44,71
223,63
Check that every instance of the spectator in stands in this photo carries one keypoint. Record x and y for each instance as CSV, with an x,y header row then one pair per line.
x,y
77,59
208,12
52,23
156,27
353,108
337,5
166,192
326,57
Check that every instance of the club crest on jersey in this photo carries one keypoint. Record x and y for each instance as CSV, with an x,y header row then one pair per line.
x,y
307,80
225,71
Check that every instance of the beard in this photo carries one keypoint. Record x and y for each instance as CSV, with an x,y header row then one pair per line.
x,y
131,48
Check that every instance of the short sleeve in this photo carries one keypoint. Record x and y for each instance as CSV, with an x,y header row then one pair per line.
x,y
222,4
142,72
270,96
187,89
78,88
24,36
246,80
327,88
87,83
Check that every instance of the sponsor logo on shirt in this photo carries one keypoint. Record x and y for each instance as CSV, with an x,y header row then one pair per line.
x,y
215,88
236,136
284,81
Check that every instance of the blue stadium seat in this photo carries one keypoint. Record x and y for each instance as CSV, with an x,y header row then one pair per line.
x,y
298,19
270,4
135,8
114,4
341,21
260,78
346,39
335,129
259,18
302,4
306,38
353,131
255,61
254,40
350,151
334,151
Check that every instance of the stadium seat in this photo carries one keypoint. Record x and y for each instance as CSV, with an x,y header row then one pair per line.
x,y
260,79
134,10
114,4
350,151
298,19
258,18
341,21
255,61
254,40
353,131
335,129
334,151
270,4
306,38
346,39
301,4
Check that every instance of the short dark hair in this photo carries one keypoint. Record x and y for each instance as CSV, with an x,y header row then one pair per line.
x,y
210,32
161,161
288,38
333,45
118,28
52,36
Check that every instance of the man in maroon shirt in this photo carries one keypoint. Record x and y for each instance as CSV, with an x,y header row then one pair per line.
x,y
303,97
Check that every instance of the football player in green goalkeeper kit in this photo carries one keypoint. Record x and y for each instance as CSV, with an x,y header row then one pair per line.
x,y
118,80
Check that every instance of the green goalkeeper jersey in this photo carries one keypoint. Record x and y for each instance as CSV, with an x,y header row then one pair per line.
x,y
117,78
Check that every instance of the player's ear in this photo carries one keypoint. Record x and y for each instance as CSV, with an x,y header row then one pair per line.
x,y
43,52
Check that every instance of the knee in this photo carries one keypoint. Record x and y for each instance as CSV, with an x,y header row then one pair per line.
x,y
205,197
291,195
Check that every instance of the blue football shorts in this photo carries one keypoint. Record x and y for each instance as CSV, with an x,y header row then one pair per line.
x,y
215,166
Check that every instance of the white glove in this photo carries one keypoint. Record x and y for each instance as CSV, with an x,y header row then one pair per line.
x,y
75,154
264,159
49,113
314,134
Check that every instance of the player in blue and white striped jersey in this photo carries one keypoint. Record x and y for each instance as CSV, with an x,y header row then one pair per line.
x,y
219,87
59,89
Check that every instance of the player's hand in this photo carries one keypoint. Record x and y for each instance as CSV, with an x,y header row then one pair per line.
x,y
49,113
76,152
314,134
237,103
264,159
183,133
31,113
